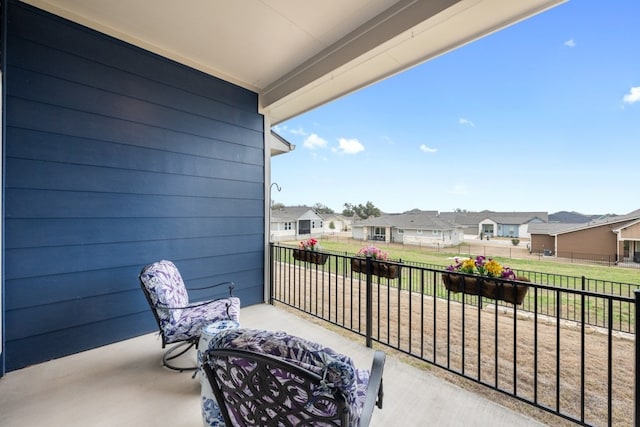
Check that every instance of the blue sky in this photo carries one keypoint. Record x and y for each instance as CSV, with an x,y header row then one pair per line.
x,y
541,116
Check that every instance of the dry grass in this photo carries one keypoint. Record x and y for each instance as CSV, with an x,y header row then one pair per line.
x,y
462,338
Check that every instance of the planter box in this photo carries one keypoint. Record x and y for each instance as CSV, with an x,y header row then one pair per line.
x,y
510,292
310,256
378,268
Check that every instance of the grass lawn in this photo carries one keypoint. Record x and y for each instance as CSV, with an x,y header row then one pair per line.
x,y
520,260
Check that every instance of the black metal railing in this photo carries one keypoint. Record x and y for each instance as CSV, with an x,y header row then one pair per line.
x,y
569,350
623,318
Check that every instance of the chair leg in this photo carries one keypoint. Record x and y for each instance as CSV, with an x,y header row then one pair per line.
x,y
168,356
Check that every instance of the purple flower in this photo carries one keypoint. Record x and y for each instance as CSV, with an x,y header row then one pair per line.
x,y
508,273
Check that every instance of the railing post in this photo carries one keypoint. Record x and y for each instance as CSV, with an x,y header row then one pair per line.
x,y
369,302
271,273
636,384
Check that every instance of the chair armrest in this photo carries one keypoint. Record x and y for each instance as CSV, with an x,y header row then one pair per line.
x,y
231,287
191,305
374,388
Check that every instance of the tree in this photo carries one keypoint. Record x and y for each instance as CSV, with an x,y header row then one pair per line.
x,y
275,205
348,210
332,226
362,211
322,209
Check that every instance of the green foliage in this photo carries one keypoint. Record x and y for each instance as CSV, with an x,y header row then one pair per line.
x,y
515,242
322,209
362,211
348,210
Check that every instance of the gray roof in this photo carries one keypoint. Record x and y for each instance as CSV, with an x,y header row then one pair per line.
x,y
570,217
289,213
560,228
464,218
549,227
474,218
337,216
517,217
415,219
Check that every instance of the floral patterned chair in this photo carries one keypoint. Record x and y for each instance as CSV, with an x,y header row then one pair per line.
x,y
273,378
179,320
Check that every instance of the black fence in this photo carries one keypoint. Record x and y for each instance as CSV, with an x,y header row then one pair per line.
x,y
568,347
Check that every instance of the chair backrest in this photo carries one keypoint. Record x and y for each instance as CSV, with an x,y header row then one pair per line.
x,y
262,390
323,386
163,286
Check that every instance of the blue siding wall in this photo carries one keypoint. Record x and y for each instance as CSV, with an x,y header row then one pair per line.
x,y
116,158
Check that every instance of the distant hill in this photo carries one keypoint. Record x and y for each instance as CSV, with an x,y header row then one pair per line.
x,y
571,217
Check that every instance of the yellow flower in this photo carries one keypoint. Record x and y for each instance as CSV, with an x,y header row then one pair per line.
x,y
468,266
493,267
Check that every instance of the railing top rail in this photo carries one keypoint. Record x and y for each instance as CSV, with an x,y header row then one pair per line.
x,y
408,265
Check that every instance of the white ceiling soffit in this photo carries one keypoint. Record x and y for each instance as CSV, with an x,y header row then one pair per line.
x,y
296,54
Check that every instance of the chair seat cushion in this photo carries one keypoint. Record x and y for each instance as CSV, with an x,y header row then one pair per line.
x,y
337,369
190,321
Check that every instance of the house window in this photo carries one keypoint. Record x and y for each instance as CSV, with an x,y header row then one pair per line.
x,y
304,226
435,232
288,226
379,233
400,231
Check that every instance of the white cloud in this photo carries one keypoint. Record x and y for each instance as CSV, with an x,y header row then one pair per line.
x,y
426,149
633,96
466,122
313,141
298,131
349,146
570,43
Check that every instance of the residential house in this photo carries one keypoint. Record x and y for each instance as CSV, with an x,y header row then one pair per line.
x,y
295,223
510,224
469,221
336,223
611,237
137,131
487,224
414,227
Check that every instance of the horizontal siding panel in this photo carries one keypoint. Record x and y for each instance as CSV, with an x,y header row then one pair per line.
x,y
196,273
180,154
61,35
39,59
86,311
57,120
226,181
34,262
67,95
24,203
40,348
72,313
43,232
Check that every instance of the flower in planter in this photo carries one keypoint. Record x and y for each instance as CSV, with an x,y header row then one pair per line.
x,y
309,245
482,267
373,252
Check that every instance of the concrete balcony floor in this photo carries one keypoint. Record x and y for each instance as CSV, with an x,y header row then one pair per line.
x,y
124,384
